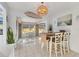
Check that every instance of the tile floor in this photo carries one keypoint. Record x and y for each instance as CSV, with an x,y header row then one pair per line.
x,y
33,49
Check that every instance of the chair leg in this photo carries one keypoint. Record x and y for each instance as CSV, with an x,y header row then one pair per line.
x,y
68,47
65,45
61,50
64,48
50,48
56,50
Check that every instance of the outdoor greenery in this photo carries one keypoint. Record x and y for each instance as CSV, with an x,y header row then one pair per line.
x,y
10,36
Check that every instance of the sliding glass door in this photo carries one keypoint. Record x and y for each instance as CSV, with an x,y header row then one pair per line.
x,y
27,30
30,30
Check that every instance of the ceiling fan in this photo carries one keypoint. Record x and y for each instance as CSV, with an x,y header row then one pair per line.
x,y
32,14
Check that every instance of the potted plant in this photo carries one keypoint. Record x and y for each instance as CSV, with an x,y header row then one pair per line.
x,y
10,37
10,40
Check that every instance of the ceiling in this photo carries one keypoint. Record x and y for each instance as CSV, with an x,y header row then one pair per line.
x,y
53,7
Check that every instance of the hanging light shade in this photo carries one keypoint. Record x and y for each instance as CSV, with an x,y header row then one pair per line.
x,y
42,10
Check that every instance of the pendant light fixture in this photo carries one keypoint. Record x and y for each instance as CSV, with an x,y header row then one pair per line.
x,y
42,9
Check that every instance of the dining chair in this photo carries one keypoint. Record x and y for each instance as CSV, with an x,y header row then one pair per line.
x,y
66,38
56,46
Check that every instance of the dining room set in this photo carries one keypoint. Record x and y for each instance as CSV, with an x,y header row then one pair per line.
x,y
57,43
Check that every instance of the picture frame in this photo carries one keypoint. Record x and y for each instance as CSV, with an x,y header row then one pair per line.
x,y
1,25
65,20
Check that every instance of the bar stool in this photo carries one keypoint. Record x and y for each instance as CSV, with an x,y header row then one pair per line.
x,y
66,37
57,45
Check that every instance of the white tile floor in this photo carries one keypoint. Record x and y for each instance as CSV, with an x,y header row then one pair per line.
x,y
33,49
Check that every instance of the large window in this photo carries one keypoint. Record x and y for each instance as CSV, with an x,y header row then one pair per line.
x,y
28,30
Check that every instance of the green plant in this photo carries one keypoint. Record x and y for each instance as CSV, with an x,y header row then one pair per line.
x,y
10,38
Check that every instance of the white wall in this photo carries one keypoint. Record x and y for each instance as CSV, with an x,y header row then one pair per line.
x,y
74,29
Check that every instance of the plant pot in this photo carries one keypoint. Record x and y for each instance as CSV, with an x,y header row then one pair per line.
x,y
12,49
